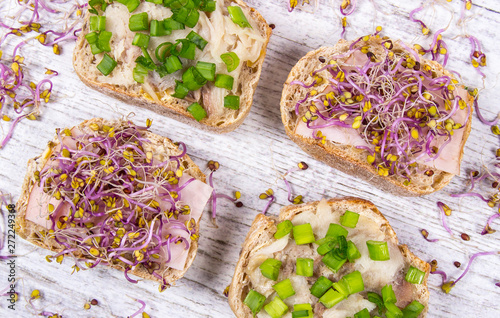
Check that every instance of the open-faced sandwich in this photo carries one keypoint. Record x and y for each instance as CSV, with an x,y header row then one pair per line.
x,y
113,193
376,109
193,60
334,259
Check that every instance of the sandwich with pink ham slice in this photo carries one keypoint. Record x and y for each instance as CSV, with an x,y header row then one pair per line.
x,y
376,109
111,193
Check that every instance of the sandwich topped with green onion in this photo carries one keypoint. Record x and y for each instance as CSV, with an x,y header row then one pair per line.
x,y
336,258
376,109
112,193
198,61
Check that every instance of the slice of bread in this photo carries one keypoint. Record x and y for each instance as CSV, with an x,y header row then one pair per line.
x,y
261,235
162,148
347,158
220,119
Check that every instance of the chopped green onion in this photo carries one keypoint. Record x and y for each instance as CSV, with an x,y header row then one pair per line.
x,y
331,298
207,70
177,4
335,230
327,247
388,294
302,234
301,308
283,228
95,49
188,50
139,22
270,268
354,282
224,81
276,308
181,90
91,37
197,111
141,40
254,301
231,60
193,79
305,267
362,314
163,50
378,250
393,309
342,249
103,41
197,39
284,288
333,261
238,16
140,72
413,310
232,102
146,61
341,287
349,219
130,4
171,24
189,17
320,287
107,65
325,240
300,313
208,6
377,300
155,1
352,252
157,28
97,23
414,276
173,64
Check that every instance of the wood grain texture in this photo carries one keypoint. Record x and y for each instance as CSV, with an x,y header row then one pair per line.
x,y
252,159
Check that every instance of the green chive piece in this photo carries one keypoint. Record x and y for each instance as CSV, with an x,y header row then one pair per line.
x,y
276,308
354,282
388,294
232,102
188,50
103,41
155,1
197,111
341,287
177,4
197,39
141,40
130,4
331,298
193,79
140,72
284,289
157,28
107,65
208,6
300,313
181,90
92,37
327,247
95,49
301,308
413,310
231,60
362,314
270,268
414,275
333,261
379,251
139,22
238,16
254,301
97,23
224,81
173,64
352,252
189,17
325,240
335,230
320,287
377,300
349,219
163,51
207,70
303,234
171,24
283,228
393,310
304,267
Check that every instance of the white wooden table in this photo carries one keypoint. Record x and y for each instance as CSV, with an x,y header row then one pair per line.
x,y
252,158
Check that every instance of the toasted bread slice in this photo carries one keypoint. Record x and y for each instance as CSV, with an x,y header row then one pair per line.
x,y
155,93
31,229
348,158
320,214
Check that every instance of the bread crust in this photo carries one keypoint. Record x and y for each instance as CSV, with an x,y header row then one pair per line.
x,y
28,230
341,156
262,232
176,108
